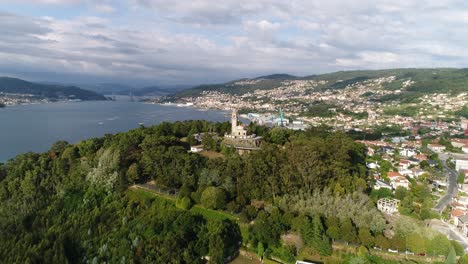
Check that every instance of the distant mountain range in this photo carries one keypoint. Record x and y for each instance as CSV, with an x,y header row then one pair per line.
x,y
120,89
413,83
47,91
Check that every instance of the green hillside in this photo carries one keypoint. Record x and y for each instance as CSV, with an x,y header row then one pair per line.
x,y
48,91
424,81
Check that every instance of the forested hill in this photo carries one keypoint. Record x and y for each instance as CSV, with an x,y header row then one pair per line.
x,y
413,82
73,203
46,91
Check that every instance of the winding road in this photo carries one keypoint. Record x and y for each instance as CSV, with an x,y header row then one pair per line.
x,y
452,185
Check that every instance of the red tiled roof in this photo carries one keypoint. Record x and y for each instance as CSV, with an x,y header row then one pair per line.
x,y
458,213
392,174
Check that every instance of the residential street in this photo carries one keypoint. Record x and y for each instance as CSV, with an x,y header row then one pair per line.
x,y
452,186
450,231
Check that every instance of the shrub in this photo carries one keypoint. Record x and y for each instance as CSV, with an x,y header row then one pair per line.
x,y
213,198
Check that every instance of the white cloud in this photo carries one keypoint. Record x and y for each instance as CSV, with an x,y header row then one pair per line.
x,y
207,40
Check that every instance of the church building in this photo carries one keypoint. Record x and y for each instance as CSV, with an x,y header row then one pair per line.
x,y
238,137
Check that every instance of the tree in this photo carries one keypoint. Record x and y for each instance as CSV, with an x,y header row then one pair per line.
x,y
278,135
458,248
365,237
333,228
133,173
260,250
348,231
184,203
415,243
213,198
451,257
320,240
401,193
463,259
382,242
461,178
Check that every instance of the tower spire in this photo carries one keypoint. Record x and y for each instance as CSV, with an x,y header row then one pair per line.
x,y
233,121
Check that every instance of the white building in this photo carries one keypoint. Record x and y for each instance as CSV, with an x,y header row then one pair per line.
x,y
464,124
382,184
465,149
196,149
461,164
407,152
436,148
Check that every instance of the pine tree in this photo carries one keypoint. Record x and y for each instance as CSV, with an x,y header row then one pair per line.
x,y
451,257
320,240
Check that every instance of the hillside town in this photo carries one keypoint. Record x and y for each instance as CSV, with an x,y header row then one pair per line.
x,y
354,106
403,166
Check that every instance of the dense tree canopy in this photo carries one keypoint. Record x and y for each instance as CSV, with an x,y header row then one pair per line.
x,y
74,203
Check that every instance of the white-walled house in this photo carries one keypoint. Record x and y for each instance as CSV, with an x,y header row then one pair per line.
x,y
382,184
461,164
407,152
436,148
397,180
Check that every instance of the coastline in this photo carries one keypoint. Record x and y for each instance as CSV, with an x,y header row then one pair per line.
x,y
50,122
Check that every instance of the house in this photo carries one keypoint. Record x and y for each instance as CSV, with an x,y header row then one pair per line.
x,y
463,201
420,157
459,142
456,214
392,174
404,164
413,161
196,149
397,180
382,184
372,165
465,148
387,149
405,172
407,152
464,124
387,158
417,172
456,205
400,182
432,163
461,164
436,147
462,224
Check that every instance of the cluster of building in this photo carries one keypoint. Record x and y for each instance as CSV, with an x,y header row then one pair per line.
x,y
295,96
17,99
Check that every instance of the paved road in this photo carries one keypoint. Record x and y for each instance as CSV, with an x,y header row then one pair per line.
x,y
452,186
450,231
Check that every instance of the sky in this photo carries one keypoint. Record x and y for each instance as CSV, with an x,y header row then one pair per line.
x,y
172,42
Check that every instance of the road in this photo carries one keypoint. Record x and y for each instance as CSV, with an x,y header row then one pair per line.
x,y
452,185
450,231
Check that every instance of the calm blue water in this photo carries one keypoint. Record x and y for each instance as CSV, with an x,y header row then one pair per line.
x,y
35,127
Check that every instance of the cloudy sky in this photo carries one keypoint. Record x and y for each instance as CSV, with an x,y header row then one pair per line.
x,y
205,41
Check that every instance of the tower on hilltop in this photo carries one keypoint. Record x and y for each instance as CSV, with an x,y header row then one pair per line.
x,y
237,131
238,137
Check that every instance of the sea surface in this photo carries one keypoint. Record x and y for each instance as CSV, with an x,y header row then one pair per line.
x,y
25,128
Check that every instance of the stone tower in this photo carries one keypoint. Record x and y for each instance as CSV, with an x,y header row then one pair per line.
x,y
233,122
